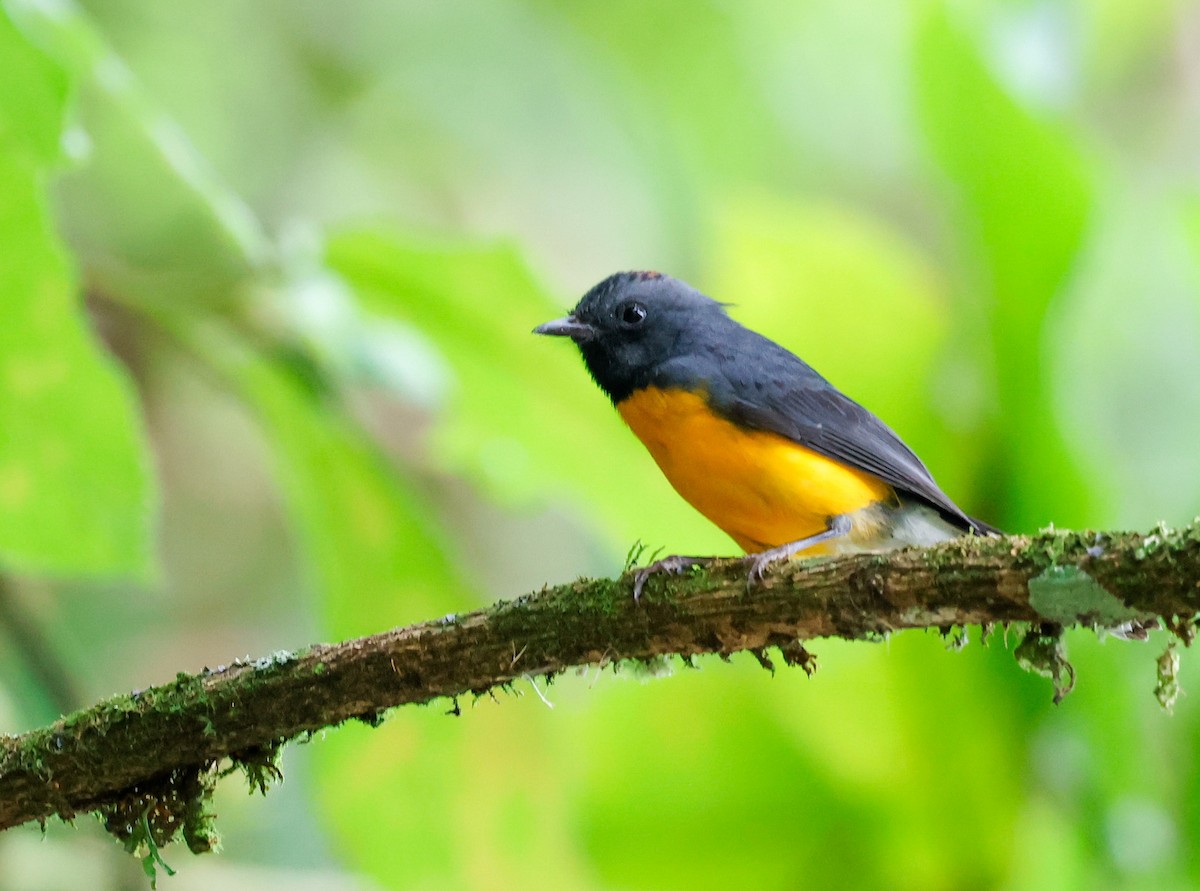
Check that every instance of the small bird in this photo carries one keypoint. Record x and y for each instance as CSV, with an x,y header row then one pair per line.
x,y
748,433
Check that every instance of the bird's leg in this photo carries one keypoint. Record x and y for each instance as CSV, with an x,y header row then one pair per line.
x,y
672,565
838,526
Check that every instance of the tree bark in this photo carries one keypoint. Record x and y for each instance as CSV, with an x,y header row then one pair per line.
x,y
160,748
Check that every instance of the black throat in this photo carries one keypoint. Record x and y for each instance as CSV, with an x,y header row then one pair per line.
x,y
618,380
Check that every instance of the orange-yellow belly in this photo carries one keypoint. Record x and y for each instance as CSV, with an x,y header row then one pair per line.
x,y
762,489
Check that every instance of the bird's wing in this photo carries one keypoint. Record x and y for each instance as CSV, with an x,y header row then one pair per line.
x,y
783,395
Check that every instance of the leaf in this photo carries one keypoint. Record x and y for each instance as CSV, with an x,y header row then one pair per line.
x,y
407,800
33,101
374,545
717,116
1125,350
191,237
747,780
1026,197
75,490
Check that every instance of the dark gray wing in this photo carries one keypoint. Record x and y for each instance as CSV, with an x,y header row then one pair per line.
x,y
765,387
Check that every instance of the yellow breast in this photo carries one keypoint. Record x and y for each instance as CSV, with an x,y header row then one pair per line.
x,y
762,489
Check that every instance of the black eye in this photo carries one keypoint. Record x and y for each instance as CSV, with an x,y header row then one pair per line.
x,y
631,314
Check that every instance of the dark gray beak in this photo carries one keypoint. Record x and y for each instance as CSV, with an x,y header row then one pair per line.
x,y
569,327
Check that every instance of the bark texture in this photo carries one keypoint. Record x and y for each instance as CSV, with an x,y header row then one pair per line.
x,y
148,759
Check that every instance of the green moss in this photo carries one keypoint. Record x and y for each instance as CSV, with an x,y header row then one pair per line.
x,y
152,815
260,766
1163,540
602,597
1054,544
1043,652
667,588
633,556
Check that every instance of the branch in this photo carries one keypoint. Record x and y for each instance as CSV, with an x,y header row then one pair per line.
x,y
147,761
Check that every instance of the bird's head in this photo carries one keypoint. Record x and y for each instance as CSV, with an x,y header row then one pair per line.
x,y
632,322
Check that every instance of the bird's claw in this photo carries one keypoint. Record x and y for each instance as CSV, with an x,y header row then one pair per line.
x,y
759,563
838,526
671,565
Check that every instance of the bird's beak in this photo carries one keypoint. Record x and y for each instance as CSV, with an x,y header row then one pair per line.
x,y
569,327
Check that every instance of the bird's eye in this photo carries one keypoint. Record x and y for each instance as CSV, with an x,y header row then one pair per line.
x,y
632,314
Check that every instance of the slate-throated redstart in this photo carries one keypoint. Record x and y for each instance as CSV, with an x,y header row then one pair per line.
x,y
748,433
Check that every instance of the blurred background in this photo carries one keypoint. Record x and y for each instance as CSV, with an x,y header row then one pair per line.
x,y
266,378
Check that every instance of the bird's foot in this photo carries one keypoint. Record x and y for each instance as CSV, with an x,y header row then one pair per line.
x,y
760,562
670,565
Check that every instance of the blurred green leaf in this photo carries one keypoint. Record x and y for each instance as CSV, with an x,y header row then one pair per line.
x,y
375,546
193,237
1123,37
728,776
32,103
75,493
1026,195
524,420
1126,363
705,95
433,801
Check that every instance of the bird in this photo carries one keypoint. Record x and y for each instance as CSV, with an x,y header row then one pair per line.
x,y
748,433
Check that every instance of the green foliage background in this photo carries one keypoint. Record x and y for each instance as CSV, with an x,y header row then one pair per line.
x,y
268,275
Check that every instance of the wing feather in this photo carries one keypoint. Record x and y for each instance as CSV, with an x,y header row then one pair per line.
x,y
784,395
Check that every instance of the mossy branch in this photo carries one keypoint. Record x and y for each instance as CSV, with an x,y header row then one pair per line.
x,y
147,761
